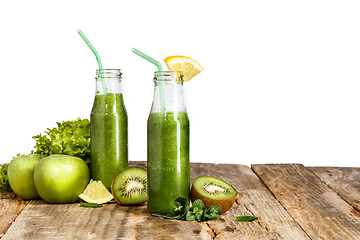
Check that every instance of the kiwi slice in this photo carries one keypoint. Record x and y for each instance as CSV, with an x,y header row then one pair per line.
x,y
213,191
129,186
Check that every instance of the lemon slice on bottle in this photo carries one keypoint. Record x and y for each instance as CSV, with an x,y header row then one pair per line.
x,y
187,65
96,192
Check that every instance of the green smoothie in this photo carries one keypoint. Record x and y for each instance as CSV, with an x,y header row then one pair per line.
x,y
109,137
168,160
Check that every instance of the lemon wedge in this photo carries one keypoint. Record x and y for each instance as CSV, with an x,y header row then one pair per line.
x,y
96,192
187,65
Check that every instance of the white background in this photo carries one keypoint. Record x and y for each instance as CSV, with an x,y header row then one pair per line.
x,y
281,80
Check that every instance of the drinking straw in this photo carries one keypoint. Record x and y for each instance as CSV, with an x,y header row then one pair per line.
x,y
146,57
98,59
160,69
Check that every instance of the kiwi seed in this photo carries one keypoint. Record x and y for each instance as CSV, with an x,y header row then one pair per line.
x,y
213,188
132,185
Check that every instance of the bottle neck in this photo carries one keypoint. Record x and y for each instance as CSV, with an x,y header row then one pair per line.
x,y
168,93
112,79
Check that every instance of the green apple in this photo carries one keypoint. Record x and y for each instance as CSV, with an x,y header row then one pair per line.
x,y
21,175
61,178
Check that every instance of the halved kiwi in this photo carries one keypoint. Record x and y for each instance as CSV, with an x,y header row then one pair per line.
x,y
129,186
213,191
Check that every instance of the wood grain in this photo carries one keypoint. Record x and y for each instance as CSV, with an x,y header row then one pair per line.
x,y
10,207
321,213
70,221
299,206
40,220
253,199
343,180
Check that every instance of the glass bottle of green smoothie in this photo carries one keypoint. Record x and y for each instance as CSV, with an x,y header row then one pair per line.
x,y
109,128
167,144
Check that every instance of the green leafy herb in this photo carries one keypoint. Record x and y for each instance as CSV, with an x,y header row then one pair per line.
x,y
212,212
179,209
70,138
90,205
182,211
245,218
4,180
196,212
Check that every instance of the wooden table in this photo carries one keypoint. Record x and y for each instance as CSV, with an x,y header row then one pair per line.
x,y
291,201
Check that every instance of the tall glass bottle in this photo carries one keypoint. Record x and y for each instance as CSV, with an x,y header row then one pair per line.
x,y
109,129
167,144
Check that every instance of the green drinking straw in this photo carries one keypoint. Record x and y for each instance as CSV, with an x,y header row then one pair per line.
x,y
146,57
160,69
98,59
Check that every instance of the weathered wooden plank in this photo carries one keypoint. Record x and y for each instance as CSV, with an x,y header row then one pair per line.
x,y
10,207
40,220
344,181
70,221
253,199
321,213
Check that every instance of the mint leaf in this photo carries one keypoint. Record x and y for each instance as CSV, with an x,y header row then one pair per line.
x,y
212,212
90,205
200,215
181,204
198,210
190,216
181,210
197,205
245,218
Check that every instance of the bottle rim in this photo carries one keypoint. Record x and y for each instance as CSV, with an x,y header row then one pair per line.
x,y
109,73
169,76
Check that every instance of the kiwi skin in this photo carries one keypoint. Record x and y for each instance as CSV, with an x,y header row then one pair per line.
x,y
225,204
112,189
